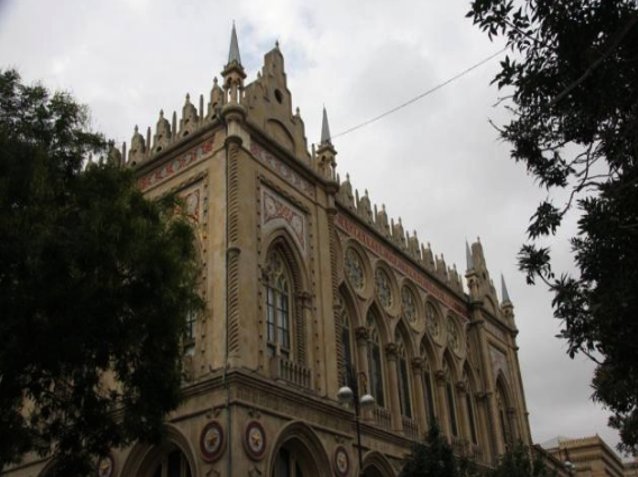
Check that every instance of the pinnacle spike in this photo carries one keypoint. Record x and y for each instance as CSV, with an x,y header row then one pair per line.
x,y
468,257
233,52
325,129
504,293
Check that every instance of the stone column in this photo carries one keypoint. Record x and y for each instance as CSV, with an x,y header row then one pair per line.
x,y
419,396
393,386
463,417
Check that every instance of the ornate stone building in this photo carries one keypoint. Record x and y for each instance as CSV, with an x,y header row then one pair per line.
x,y
306,283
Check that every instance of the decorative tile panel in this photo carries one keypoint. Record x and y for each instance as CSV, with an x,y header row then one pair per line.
x,y
281,169
277,211
172,167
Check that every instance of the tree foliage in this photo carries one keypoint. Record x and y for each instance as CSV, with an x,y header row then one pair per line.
x,y
95,285
572,75
435,458
516,462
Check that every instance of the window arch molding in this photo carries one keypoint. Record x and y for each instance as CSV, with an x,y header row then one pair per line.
x,y
504,404
377,340
346,316
289,301
143,459
301,441
473,409
431,364
451,376
454,334
405,354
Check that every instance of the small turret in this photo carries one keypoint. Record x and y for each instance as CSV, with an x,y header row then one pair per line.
x,y
506,304
138,148
326,153
233,73
190,118
162,137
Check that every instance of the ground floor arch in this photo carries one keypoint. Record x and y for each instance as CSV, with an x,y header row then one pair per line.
x,y
298,452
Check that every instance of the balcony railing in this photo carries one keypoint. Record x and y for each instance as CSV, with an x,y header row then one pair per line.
x,y
410,427
291,372
382,417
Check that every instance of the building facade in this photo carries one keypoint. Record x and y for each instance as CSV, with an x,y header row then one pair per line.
x,y
589,457
308,284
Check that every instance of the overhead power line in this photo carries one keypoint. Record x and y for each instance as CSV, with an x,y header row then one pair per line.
x,y
420,96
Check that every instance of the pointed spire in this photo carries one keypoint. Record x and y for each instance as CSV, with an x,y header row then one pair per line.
x,y
505,295
468,257
233,52
325,129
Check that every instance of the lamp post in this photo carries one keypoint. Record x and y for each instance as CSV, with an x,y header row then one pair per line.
x,y
349,393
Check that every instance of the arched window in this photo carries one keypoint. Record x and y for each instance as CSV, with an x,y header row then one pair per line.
x,y
278,304
451,400
345,341
429,388
404,379
503,416
375,363
173,464
471,413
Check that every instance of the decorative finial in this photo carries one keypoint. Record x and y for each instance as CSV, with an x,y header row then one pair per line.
x,y
277,43
233,52
504,293
469,259
215,80
188,97
325,129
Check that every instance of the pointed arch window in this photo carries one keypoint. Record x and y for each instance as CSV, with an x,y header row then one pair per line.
x,y
471,414
429,388
173,465
451,402
278,304
375,364
404,379
502,407
345,340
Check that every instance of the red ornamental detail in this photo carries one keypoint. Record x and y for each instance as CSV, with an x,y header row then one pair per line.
x,y
177,164
383,251
255,440
282,169
211,441
277,209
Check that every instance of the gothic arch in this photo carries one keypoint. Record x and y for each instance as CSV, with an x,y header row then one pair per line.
x,y
505,408
302,444
144,458
281,239
403,330
376,309
430,355
376,464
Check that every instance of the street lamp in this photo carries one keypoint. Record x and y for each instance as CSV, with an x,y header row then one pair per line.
x,y
349,393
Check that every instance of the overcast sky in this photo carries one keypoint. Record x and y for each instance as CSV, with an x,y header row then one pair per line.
x,y
438,164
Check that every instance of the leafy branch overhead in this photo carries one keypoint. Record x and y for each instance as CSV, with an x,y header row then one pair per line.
x,y
95,285
571,80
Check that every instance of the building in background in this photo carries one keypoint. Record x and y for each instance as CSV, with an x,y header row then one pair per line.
x,y
309,288
589,457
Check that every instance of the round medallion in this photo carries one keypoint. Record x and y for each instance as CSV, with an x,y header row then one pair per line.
x,y
354,269
255,440
105,466
432,320
341,462
384,291
211,441
452,336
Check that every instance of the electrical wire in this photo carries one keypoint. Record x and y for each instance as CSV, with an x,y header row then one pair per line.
x,y
420,96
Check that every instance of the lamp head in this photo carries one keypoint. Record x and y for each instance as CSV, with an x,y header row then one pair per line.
x,y
367,401
345,394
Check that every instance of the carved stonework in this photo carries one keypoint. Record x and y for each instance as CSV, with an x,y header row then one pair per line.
x,y
362,334
391,350
282,169
418,363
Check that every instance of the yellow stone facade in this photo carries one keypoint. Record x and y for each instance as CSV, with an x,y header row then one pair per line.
x,y
303,278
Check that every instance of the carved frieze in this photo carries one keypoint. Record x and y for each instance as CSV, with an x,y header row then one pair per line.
x,y
281,169
278,212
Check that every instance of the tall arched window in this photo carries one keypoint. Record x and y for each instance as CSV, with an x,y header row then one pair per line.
x,y
345,341
278,304
429,388
471,414
502,407
375,363
451,400
173,464
404,379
